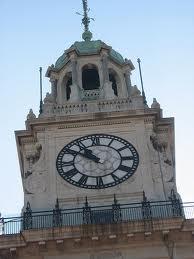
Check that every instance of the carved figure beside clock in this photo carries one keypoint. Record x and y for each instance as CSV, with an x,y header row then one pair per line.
x,y
97,161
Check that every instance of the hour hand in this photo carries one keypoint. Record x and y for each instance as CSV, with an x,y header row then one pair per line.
x,y
87,154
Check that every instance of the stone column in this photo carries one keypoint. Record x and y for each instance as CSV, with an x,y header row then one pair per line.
x,y
105,68
53,88
74,71
75,91
107,87
128,81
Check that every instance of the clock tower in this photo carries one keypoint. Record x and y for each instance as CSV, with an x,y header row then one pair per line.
x,y
95,136
97,166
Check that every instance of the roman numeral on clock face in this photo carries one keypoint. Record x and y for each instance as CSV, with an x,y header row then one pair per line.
x,y
69,163
71,172
95,140
122,148
83,179
99,182
110,142
124,168
127,158
80,145
115,177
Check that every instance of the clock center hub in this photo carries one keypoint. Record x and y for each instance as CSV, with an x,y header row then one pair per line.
x,y
109,160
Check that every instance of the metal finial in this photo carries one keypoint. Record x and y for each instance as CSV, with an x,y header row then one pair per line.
x,y
86,201
57,204
144,197
41,103
142,88
115,199
87,35
28,207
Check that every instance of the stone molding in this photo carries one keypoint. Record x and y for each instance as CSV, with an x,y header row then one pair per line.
x,y
96,242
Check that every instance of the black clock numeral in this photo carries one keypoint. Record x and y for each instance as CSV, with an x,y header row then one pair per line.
x,y
95,140
127,158
122,148
72,152
110,142
80,145
71,172
99,182
124,168
115,177
69,163
83,179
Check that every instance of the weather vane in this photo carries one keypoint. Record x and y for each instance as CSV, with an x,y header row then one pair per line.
x,y
87,35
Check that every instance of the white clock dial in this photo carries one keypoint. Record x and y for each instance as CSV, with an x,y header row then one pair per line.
x,y
97,161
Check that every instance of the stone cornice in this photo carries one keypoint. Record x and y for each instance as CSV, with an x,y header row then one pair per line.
x,y
105,118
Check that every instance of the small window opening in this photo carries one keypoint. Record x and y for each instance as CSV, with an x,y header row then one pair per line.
x,y
90,78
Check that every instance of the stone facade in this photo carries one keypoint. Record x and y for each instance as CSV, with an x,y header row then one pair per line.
x,y
151,135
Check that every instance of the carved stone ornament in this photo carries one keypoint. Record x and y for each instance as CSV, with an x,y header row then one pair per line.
x,y
135,91
31,115
35,183
159,144
48,98
33,154
155,104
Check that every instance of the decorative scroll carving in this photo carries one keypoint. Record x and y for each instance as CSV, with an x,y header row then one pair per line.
x,y
33,154
158,143
168,162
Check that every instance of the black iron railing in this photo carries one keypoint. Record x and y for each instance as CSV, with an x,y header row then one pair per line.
x,y
99,215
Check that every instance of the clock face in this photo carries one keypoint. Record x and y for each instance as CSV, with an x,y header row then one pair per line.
x,y
97,161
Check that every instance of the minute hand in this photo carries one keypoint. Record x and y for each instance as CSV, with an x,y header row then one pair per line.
x,y
87,154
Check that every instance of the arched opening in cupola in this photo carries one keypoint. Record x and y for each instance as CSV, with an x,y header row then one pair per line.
x,y
67,82
90,77
113,78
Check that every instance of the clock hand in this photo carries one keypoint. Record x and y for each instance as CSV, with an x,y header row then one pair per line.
x,y
87,154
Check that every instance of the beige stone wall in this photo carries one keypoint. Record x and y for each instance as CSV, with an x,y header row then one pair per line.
x,y
43,184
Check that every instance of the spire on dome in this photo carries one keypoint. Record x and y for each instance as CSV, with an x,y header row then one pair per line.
x,y
87,35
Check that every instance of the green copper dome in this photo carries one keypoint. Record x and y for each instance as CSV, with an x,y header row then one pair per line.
x,y
88,48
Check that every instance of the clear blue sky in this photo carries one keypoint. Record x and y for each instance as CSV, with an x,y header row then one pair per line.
x,y
35,33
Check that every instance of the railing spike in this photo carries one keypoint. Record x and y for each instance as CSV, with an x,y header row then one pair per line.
x,y
115,200
86,201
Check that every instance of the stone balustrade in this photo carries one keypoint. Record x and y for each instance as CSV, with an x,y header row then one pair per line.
x,y
90,94
118,104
